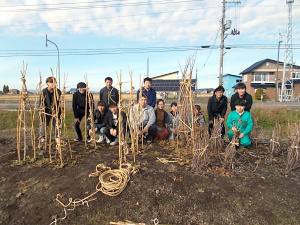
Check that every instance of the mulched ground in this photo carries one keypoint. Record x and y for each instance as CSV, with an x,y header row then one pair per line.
x,y
256,192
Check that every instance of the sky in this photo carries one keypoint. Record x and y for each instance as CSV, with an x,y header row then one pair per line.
x,y
97,39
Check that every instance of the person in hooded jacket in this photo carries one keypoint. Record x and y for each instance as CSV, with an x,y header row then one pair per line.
x,y
80,107
216,108
241,94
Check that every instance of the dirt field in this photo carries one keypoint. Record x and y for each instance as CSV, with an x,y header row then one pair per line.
x,y
256,192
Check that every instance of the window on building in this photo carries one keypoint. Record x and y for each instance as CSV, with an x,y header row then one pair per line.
x,y
238,80
260,77
296,75
245,78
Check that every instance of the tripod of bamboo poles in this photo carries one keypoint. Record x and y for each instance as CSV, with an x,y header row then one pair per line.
x,y
89,101
123,147
22,116
186,132
64,136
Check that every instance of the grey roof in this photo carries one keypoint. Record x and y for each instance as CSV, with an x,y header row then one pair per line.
x,y
259,63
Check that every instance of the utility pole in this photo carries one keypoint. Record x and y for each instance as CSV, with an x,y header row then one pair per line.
x,y
222,44
148,67
287,83
276,88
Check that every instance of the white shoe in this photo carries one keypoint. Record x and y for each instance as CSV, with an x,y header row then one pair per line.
x,y
114,142
42,140
101,139
107,140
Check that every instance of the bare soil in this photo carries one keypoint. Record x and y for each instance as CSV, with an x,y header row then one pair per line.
x,y
257,191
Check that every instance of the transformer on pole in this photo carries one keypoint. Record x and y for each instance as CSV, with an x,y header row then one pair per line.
x,y
287,78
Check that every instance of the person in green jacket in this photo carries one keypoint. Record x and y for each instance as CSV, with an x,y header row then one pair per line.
x,y
240,121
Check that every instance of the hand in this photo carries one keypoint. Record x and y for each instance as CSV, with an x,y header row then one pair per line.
x,y
113,132
139,133
159,129
234,129
241,135
76,120
221,120
146,129
211,122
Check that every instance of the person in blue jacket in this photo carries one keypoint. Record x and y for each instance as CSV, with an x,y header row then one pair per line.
x,y
149,92
240,121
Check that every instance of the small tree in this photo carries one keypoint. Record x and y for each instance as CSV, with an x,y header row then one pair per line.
x,y
260,92
5,89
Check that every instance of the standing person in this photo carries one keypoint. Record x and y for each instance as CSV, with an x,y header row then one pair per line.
x,y
109,94
148,91
80,106
173,122
242,94
162,118
240,121
143,116
216,108
99,120
111,124
48,102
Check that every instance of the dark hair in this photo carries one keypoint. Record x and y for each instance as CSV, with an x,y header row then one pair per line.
x,y
112,105
81,85
101,103
240,102
144,96
241,86
50,79
147,79
160,100
219,88
108,78
198,107
173,103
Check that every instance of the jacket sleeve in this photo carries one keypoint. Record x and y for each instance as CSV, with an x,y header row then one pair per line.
x,y
223,113
166,118
249,103
74,105
101,95
232,102
249,125
229,121
117,96
209,110
138,95
108,122
153,99
152,117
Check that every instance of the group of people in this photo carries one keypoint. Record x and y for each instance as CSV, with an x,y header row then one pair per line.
x,y
148,123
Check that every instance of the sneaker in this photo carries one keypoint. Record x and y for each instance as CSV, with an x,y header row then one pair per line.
x,y
107,140
78,139
42,140
101,139
149,141
114,142
88,139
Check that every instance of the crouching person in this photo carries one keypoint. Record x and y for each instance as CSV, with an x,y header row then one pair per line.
x,y
111,124
162,118
142,118
99,121
173,122
240,122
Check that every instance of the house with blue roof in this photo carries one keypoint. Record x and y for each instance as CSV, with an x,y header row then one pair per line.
x,y
230,80
262,74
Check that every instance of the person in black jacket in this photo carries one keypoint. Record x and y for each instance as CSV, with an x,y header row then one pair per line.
x,y
79,105
99,120
47,100
109,94
216,108
111,124
241,93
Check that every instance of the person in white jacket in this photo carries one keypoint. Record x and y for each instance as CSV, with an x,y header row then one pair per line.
x,y
142,119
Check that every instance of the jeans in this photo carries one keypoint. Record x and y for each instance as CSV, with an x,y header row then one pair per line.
x,y
48,119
